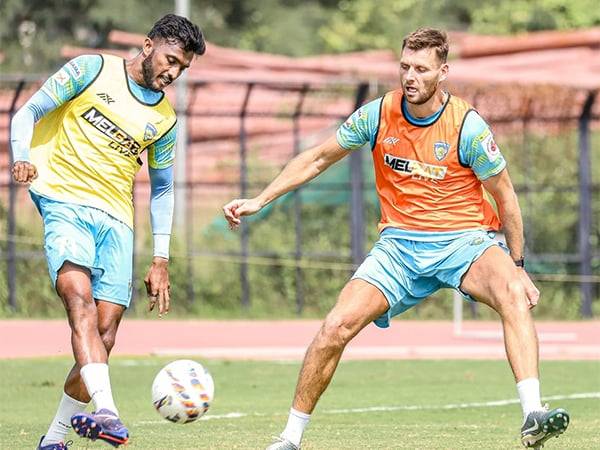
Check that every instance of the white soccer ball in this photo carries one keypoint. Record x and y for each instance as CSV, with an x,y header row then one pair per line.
x,y
182,391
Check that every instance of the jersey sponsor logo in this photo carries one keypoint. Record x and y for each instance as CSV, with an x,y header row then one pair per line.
x,y
414,168
106,98
74,69
61,77
150,132
440,150
489,146
391,140
119,139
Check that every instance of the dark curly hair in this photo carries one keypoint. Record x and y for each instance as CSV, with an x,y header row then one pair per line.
x,y
178,29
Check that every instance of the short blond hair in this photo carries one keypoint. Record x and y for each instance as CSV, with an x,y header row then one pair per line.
x,y
428,38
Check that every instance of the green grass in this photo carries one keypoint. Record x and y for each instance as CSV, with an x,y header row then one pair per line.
x,y
30,389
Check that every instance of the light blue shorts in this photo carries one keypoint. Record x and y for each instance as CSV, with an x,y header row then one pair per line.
x,y
408,271
90,238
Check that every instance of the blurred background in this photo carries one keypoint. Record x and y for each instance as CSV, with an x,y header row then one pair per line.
x,y
278,77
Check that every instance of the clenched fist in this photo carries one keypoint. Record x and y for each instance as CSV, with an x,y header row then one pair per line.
x,y
24,172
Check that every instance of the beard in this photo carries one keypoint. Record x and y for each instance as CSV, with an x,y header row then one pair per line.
x,y
148,72
424,98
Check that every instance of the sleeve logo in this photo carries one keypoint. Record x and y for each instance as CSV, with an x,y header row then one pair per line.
x,y
61,77
490,147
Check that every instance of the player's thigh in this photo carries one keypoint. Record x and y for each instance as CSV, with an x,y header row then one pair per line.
x,y
359,303
114,259
67,236
492,278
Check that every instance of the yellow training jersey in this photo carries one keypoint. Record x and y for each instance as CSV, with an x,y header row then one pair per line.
x,y
87,151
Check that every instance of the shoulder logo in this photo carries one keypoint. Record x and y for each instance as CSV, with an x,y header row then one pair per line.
x,y
61,77
440,150
106,98
489,146
74,69
391,140
150,132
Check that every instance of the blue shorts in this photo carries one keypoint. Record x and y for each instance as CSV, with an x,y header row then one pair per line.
x,y
408,271
90,238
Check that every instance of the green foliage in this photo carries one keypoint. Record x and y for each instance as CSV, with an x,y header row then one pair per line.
x,y
290,27
35,296
513,16
366,25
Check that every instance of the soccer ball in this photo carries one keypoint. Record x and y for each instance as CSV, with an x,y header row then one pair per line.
x,y
182,391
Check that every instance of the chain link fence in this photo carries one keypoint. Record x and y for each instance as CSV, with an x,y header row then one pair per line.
x,y
295,256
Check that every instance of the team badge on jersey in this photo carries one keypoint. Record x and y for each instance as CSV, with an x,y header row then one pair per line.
x,y
440,150
150,132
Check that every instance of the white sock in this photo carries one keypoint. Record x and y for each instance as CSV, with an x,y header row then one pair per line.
x,y
60,426
96,379
297,422
529,394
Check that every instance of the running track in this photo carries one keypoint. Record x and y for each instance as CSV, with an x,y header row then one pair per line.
x,y
288,340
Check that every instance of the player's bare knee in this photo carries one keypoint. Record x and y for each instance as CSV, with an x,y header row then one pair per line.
x,y
80,310
108,335
337,330
513,300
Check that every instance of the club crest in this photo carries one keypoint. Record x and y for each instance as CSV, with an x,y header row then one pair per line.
x,y
440,150
150,132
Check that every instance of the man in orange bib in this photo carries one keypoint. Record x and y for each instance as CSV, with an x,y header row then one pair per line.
x,y
434,157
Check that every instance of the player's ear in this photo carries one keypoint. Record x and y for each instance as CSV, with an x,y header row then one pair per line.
x,y
444,72
148,46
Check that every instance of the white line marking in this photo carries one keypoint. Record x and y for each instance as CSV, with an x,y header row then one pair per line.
x,y
491,404
585,395
231,415
486,351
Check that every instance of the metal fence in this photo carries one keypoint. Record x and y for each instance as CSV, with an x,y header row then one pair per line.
x,y
239,136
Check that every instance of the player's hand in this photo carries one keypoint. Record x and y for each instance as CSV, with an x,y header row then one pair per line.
x,y
238,208
532,292
157,285
24,172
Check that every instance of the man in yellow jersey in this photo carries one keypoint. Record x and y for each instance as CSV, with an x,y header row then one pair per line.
x,y
433,157
78,141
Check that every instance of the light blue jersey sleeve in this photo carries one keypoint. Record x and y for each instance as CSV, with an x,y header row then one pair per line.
x,y
162,152
72,78
161,208
478,149
69,81
361,126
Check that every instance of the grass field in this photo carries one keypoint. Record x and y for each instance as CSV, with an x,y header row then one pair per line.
x,y
369,405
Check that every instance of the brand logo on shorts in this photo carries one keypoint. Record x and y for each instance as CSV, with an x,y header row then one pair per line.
x,y
477,241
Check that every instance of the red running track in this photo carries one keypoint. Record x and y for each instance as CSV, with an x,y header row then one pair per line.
x,y
289,339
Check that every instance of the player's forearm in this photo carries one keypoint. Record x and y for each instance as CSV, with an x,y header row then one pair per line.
x,y
21,127
21,132
512,225
161,210
298,171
